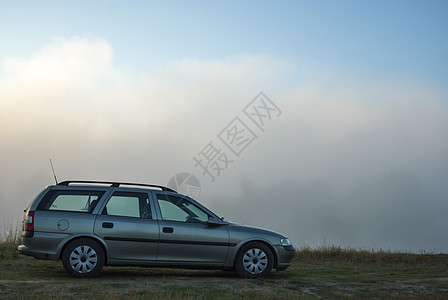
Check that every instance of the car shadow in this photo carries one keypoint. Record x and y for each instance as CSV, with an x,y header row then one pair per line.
x,y
115,272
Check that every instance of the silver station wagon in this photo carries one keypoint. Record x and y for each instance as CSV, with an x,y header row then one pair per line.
x,y
89,224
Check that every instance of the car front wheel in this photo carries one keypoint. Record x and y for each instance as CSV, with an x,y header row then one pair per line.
x,y
83,258
254,260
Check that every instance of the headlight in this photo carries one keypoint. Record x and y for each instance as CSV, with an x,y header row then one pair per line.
x,y
285,242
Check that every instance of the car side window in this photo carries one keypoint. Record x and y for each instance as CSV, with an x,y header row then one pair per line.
x,y
179,209
128,204
75,201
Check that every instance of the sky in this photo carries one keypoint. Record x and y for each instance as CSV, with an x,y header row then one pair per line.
x,y
352,96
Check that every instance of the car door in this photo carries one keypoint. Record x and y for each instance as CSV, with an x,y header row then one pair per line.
x,y
127,225
185,235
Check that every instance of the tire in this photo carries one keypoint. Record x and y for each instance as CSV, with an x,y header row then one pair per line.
x,y
254,260
83,258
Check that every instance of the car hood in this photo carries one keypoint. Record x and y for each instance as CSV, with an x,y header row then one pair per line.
x,y
239,232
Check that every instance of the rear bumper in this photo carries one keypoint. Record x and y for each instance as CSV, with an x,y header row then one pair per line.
x,y
24,250
40,245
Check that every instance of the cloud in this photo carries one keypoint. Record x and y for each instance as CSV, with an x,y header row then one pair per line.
x,y
61,62
68,101
350,160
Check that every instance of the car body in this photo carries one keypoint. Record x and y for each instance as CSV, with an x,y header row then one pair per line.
x,y
88,224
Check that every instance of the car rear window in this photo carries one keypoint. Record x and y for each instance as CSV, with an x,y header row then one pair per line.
x,y
76,201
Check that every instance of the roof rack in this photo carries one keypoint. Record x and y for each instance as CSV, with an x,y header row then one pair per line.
x,y
117,184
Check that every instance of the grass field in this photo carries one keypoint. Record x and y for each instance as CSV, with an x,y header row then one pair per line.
x,y
326,272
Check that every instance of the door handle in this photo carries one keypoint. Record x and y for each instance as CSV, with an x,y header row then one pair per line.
x,y
168,229
108,225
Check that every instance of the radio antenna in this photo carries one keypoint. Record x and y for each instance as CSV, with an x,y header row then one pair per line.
x,y
54,173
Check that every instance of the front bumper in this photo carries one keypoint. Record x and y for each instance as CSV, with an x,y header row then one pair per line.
x,y
284,256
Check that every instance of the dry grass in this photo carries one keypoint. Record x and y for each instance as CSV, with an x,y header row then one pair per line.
x,y
12,232
364,256
9,241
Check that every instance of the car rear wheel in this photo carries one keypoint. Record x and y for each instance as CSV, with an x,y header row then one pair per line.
x,y
83,258
254,260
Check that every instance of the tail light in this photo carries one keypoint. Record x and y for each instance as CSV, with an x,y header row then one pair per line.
x,y
29,221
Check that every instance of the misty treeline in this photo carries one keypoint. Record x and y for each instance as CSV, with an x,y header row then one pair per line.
x,y
392,211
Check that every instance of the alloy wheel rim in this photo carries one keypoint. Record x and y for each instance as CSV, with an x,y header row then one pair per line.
x,y
255,261
83,259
